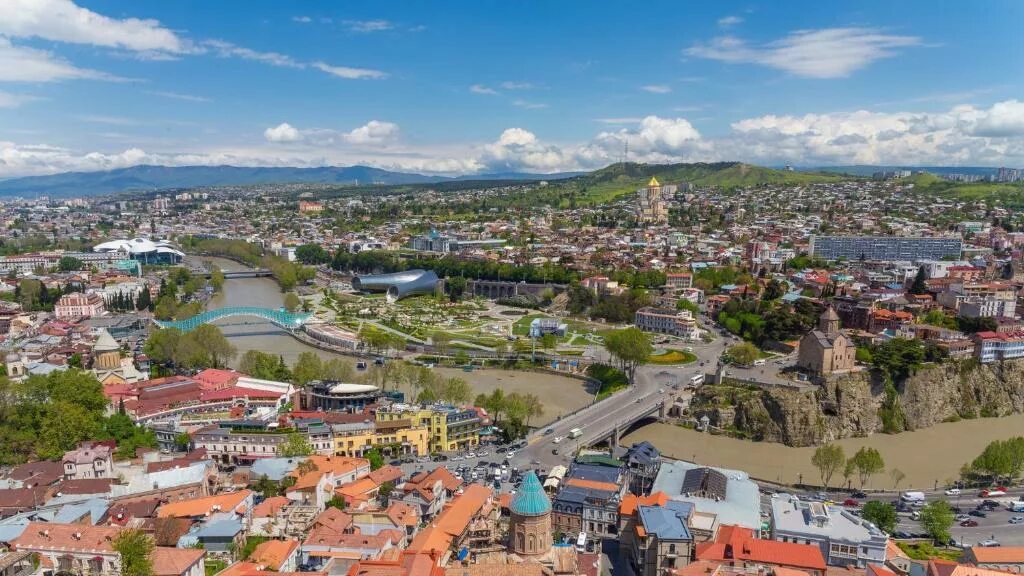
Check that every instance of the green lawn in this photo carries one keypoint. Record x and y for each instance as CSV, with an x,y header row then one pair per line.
x,y
672,357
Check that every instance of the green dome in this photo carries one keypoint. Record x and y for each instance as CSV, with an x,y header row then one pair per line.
x,y
531,499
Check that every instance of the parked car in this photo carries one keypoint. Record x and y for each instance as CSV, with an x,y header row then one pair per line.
x,y
978,514
953,492
859,495
901,534
990,504
989,543
1017,520
851,503
962,517
549,431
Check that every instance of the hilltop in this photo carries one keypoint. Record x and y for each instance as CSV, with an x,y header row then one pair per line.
x,y
620,179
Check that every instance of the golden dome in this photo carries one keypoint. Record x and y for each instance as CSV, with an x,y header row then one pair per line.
x,y
654,183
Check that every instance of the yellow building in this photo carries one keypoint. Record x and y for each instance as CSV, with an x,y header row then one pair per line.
x,y
450,428
393,438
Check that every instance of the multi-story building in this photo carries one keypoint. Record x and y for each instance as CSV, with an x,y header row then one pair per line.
x,y
885,248
998,346
661,539
679,280
243,441
589,498
451,428
89,460
980,300
664,321
391,437
844,539
309,207
335,396
79,305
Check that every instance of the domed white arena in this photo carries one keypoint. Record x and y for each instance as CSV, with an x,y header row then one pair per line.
x,y
144,250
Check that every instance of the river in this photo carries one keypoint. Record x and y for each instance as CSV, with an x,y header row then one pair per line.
x,y
928,456
559,394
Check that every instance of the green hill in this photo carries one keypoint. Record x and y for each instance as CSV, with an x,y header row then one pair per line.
x,y
1010,195
612,182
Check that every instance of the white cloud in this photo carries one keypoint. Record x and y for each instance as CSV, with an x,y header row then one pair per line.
x,y
729,21
21,64
302,19
63,21
9,100
824,53
368,26
177,96
283,132
962,135
349,72
509,85
481,89
656,89
527,105
229,50
373,132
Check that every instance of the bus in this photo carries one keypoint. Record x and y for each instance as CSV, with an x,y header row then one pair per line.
x,y
697,379
575,433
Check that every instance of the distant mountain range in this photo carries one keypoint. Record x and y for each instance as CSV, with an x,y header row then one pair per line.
x,y
148,178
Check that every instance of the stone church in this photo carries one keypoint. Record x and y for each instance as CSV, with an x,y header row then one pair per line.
x,y
826,350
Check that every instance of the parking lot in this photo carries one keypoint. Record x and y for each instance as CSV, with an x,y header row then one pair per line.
x,y
477,466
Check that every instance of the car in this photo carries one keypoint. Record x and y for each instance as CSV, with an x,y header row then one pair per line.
x,y
1017,520
990,504
482,454
555,451
395,463
851,503
962,517
901,534
953,492
559,439
858,494
978,514
989,543
470,455
992,492
549,431
510,454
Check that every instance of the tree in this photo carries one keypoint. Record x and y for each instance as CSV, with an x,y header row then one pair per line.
x,y
215,345
295,444
308,367
144,301
455,287
548,342
135,548
75,361
631,347
69,264
291,302
897,476
744,353
828,459
182,440
919,286
217,279
375,457
866,462
385,490
880,514
337,501
440,341
937,518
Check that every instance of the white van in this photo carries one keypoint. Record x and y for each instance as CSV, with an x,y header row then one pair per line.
x,y
760,362
912,496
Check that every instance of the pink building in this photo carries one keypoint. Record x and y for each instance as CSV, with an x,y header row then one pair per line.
x,y
78,305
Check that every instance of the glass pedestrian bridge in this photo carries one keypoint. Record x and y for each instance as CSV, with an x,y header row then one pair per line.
x,y
277,316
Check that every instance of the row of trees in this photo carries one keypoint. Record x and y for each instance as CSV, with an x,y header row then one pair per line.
x,y
936,517
378,261
204,347
1001,459
511,412
42,417
865,463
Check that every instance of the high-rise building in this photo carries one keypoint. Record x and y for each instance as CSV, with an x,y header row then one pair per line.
x,y
886,248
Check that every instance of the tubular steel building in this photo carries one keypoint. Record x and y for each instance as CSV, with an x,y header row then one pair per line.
x,y
398,285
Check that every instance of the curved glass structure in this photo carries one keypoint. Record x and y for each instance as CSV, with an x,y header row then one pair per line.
x,y
398,285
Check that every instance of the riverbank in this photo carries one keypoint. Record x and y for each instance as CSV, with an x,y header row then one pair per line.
x,y
927,456
559,394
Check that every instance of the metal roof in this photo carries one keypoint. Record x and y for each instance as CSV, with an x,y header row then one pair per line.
x,y
531,499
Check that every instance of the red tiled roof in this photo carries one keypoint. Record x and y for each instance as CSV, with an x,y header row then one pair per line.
x,y
734,542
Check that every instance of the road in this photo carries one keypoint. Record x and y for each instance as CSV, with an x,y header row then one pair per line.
x,y
653,385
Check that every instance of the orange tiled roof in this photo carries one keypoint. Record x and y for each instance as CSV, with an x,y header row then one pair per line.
x,y
273,553
631,501
592,484
734,542
46,535
203,506
270,506
174,561
357,488
999,554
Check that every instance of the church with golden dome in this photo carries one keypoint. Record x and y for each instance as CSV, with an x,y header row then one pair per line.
x,y
651,207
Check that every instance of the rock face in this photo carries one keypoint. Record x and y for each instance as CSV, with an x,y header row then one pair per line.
x,y
849,405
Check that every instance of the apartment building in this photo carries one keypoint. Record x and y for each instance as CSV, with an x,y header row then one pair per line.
x,y
664,321
450,427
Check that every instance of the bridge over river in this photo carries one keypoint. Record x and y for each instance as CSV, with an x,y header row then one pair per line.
x,y
279,317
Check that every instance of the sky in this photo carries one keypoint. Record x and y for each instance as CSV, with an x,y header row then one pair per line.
x,y
489,86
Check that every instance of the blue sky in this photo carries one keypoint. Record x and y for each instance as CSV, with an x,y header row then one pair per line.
x,y
461,87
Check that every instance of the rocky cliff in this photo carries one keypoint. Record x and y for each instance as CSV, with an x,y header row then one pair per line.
x,y
850,405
